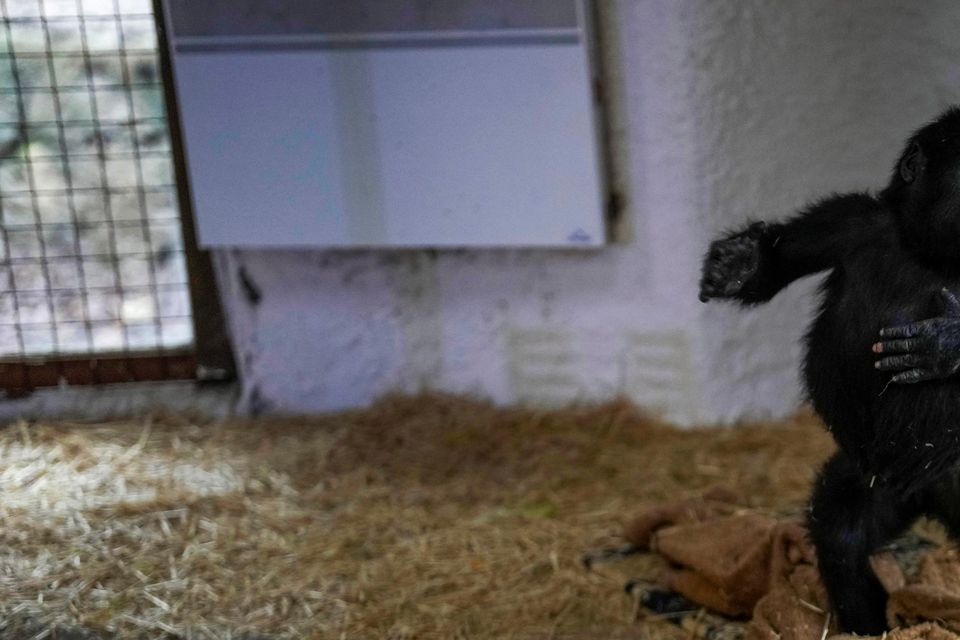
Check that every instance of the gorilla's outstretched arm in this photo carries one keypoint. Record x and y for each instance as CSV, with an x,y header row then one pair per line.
x,y
753,264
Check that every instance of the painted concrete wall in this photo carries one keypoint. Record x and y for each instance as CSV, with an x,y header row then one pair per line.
x,y
721,110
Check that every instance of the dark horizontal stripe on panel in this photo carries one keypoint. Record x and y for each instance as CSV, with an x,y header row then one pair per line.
x,y
185,46
296,17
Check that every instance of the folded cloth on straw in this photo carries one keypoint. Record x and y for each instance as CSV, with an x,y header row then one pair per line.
x,y
742,563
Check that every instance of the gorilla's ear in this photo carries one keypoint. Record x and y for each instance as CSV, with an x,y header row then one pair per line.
x,y
913,163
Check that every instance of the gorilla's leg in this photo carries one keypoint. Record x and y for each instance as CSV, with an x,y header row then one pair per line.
x,y
848,520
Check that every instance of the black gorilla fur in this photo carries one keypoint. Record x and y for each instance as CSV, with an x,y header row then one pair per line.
x,y
894,260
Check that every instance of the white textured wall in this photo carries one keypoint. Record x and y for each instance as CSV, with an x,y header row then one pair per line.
x,y
722,109
796,100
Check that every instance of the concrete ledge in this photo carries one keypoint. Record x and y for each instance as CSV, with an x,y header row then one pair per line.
x,y
120,400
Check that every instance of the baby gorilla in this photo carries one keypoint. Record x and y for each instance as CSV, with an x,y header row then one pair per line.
x,y
893,260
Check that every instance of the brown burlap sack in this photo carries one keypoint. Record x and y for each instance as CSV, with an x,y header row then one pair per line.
x,y
924,631
715,503
728,575
933,595
738,562
796,605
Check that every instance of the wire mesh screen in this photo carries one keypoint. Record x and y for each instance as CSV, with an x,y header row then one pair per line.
x,y
91,258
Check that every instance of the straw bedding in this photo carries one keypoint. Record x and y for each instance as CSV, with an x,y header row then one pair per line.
x,y
425,517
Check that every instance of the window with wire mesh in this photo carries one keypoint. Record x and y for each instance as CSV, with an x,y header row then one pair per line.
x,y
91,258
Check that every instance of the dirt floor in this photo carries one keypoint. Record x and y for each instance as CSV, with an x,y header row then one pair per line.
x,y
426,517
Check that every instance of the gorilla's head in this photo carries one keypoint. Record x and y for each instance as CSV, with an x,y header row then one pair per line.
x,y
924,191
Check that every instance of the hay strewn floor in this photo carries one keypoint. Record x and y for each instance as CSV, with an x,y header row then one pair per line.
x,y
428,517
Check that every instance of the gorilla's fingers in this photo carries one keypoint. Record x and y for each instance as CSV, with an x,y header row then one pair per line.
x,y
732,288
903,331
951,306
914,375
899,346
709,288
901,362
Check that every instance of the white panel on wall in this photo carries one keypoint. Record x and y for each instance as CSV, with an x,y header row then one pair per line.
x,y
478,137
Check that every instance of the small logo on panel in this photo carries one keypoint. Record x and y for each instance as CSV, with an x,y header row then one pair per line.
x,y
579,237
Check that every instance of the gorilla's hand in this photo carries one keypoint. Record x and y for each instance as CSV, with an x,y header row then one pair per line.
x,y
925,350
731,262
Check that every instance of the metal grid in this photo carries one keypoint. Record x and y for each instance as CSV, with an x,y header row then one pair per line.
x,y
91,251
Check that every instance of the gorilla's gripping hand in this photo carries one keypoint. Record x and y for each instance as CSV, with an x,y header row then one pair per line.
x,y
733,267
924,350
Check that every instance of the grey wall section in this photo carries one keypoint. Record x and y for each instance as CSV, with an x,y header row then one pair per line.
x,y
722,110
293,17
